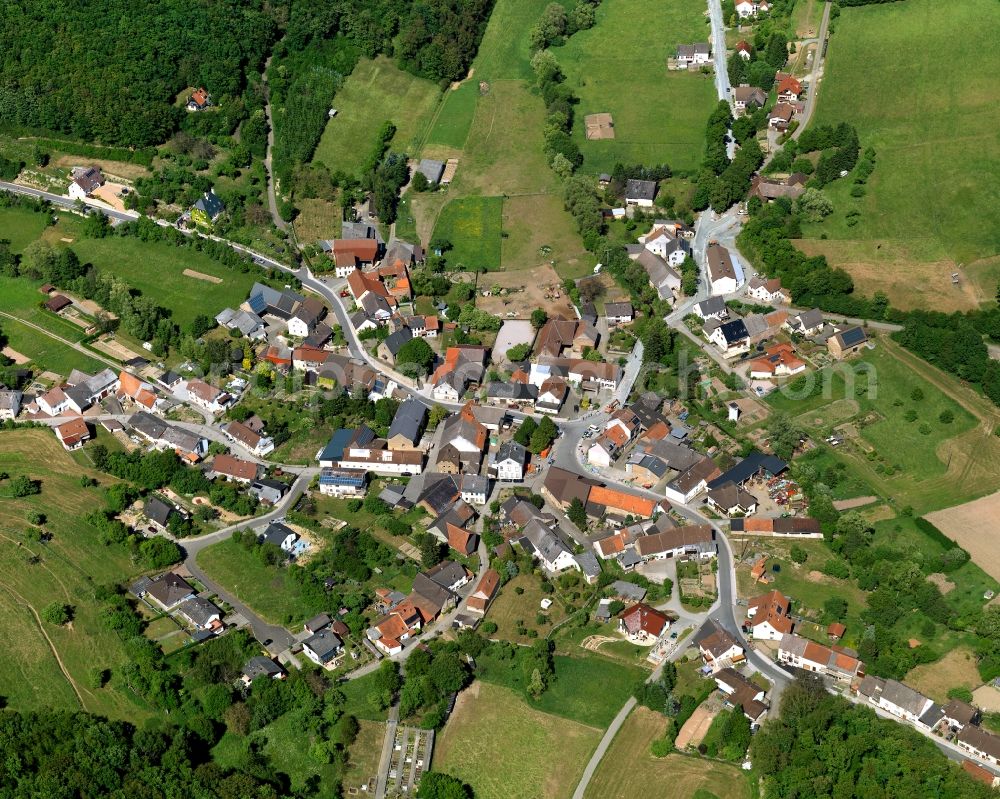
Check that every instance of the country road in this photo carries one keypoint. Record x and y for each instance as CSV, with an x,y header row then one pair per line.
x,y
272,200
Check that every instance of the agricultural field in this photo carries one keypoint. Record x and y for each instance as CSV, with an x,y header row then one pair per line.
x,y
957,669
374,93
659,115
47,354
542,756
934,183
973,526
628,769
48,666
925,463
157,270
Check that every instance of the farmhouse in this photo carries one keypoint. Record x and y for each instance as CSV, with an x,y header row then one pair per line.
x,y
722,276
266,300
351,254
642,624
799,526
693,55
694,541
692,481
753,466
847,342
559,336
809,656
640,192
769,290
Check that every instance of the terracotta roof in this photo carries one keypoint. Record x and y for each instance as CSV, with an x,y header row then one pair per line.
x,y
485,591
836,629
613,498
789,84
73,431
977,772
234,467
460,539
309,354
643,618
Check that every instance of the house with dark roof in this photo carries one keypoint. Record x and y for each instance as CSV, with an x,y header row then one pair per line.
x,y
389,347
323,647
738,691
731,499
753,466
431,169
407,426
266,300
640,192
280,535
207,209
693,55
746,99
718,648
158,512
731,338
260,666
846,342
168,591
619,313
201,614
509,463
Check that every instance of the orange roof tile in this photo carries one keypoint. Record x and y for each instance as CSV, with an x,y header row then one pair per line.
x,y
613,498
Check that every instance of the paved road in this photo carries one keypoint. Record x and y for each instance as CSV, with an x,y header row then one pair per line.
x,y
719,50
272,201
817,73
66,202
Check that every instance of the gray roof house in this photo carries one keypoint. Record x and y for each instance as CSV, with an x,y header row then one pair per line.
x,y
260,666
266,300
158,511
640,191
628,591
323,647
449,574
408,423
10,403
431,169
279,535
169,590
199,612
267,490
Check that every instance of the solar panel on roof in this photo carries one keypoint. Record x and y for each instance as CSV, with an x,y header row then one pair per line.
x,y
258,303
854,335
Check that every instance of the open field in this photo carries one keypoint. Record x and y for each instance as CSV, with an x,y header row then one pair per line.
x,y
528,290
530,247
20,297
363,755
21,227
46,353
472,225
374,93
935,182
629,770
951,462
617,68
510,607
956,669
317,219
975,526
47,666
157,269
541,756
454,118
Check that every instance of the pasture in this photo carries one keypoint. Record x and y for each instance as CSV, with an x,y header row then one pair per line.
x,y
935,182
542,756
46,353
374,93
617,68
47,667
21,226
454,117
157,270
472,225
628,769
923,461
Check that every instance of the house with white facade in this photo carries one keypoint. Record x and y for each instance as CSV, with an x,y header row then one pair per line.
x,y
510,462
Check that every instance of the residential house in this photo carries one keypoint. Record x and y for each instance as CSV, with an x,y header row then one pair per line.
x,y
247,322
86,181
731,499
167,591
692,481
482,597
640,192
209,397
780,117
978,742
401,254
264,300
510,462
805,323
201,614
746,99
731,337
510,392
464,365
464,441
789,90
305,318
308,359
560,336
750,8
766,290
388,349
407,426
280,535
233,469
323,647
799,526
259,444
260,666
399,625
463,541
642,624
722,274
744,49
810,656
551,395
693,541
547,546
427,326
768,189
846,342
207,209
137,392
10,404
199,100
662,276
742,693
619,313
718,648
351,254
73,434
267,491
189,446
768,616
779,360
693,55
894,698
712,308
627,592
376,458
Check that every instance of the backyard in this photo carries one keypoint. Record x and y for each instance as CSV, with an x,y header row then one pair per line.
x,y
934,184
542,756
47,667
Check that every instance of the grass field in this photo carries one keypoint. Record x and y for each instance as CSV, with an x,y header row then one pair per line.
x,y
374,93
70,565
46,353
157,270
451,126
617,68
952,462
363,755
21,227
935,181
510,607
957,669
572,694
506,750
629,770
472,225
267,589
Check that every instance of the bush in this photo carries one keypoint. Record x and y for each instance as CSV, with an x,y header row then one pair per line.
x,y
57,613
799,555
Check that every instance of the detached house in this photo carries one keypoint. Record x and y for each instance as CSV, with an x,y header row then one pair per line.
x,y
481,599
718,648
731,338
207,209
208,397
789,90
746,99
693,55
766,290
254,440
510,462
465,440
464,365
85,182
847,342
305,318
781,116
806,323
73,434
778,360
351,254
802,653
742,693
642,624
233,469
640,193
668,240
722,275
323,647
768,616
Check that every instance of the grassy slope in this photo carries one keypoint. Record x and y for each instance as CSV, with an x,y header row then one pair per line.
x,y
628,769
157,271
21,227
916,79
71,563
618,67
376,92
542,756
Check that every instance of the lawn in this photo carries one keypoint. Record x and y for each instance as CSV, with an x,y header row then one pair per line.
x,y
510,607
157,270
20,297
21,226
541,756
925,463
472,225
356,693
267,589
454,118
545,240
70,564
617,68
572,694
46,353
935,180
374,93
629,770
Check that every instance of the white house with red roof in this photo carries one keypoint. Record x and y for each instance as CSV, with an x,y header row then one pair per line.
x,y
642,624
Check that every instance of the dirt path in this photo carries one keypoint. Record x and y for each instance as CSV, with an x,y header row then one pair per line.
x,y
854,502
52,646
